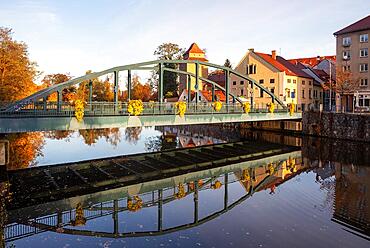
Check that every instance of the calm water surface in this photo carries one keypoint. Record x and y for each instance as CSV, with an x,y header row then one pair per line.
x,y
318,198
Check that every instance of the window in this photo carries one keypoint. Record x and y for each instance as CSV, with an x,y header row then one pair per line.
x,y
287,92
364,52
302,93
320,95
261,93
310,94
309,82
294,81
261,81
241,82
272,81
242,92
364,67
364,37
234,82
272,90
303,82
251,69
293,94
289,81
346,55
346,68
315,94
347,41
363,82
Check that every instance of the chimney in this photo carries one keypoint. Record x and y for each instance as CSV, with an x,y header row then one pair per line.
x,y
273,54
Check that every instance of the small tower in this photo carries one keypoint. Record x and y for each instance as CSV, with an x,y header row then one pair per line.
x,y
193,53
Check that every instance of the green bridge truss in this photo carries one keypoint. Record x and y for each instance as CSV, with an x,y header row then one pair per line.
x,y
158,65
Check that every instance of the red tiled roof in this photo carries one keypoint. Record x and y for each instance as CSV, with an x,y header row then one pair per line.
x,y
194,48
275,63
312,61
360,25
220,95
297,70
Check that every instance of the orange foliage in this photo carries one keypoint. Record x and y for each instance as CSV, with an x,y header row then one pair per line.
x,y
24,148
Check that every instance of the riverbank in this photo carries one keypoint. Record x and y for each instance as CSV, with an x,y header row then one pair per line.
x,y
348,126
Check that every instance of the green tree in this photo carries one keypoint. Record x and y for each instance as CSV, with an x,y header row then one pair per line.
x,y
17,71
169,51
228,64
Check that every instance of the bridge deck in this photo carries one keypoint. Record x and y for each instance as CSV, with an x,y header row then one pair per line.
x,y
41,184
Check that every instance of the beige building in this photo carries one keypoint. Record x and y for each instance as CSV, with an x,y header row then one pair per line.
x,y
289,83
353,54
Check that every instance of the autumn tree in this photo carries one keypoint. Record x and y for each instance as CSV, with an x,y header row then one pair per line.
x,y
228,64
17,71
139,91
346,83
169,51
68,94
102,90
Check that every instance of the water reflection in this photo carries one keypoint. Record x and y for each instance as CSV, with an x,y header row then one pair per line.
x,y
52,147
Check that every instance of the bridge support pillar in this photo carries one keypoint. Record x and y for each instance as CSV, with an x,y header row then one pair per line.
x,y
44,101
115,86
252,94
189,89
90,91
226,198
59,100
160,83
128,85
115,217
227,74
196,82
196,201
213,93
160,203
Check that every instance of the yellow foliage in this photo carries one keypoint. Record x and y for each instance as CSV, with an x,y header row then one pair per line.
x,y
135,204
291,108
80,217
181,108
217,106
245,176
271,169
247,107
135,107
79,110
151,104
216,185
271,107
181,191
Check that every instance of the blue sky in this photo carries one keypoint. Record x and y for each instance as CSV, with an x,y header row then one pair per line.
x,y
74,36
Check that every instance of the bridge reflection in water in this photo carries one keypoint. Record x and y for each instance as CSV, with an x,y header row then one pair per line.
x,y
65,216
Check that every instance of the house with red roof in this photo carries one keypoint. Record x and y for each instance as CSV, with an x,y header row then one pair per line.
x,y
352,44
288,82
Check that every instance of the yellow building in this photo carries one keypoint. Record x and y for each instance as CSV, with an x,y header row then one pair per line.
x,y
285,80
193,53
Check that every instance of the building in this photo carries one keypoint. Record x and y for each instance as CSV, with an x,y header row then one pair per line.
x,y
203,96
217,76
322,70
193,53
352,44
288,82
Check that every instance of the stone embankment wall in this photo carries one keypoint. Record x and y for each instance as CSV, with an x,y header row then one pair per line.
x,y
337,125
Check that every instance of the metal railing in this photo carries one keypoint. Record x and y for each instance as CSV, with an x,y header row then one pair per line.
x,y
65,109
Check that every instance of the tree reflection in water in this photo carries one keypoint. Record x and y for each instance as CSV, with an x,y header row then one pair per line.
x,y
24,148
91,136
132,134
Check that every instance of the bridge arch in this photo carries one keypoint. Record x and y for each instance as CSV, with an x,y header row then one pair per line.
x,y
160,66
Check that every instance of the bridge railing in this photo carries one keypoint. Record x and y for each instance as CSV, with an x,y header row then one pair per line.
x,y
66,109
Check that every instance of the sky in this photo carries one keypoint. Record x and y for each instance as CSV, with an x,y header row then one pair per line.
x,y
70,36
